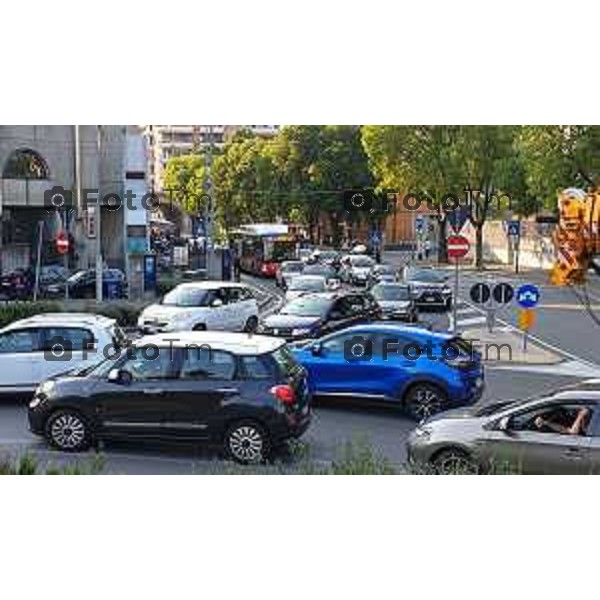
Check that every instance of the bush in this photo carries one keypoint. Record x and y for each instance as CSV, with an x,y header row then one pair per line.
x,y
28,464
21,310
126,313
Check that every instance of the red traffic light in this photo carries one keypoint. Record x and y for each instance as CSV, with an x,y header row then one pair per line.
x,y
62,243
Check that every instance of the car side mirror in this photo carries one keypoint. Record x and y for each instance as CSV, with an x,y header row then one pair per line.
x,y
216,303
316,349
503,424
119,376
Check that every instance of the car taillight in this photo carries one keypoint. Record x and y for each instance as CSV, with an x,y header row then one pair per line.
x,y
284,393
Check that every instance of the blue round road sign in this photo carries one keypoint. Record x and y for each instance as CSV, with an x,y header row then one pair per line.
x,y
528,295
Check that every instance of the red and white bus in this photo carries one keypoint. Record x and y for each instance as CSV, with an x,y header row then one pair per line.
x,y
263,247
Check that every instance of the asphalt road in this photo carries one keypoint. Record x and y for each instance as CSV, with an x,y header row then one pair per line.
x,y
334,424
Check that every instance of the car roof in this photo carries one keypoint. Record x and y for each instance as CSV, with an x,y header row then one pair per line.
x,y
394,329
62,319
237,343
208,285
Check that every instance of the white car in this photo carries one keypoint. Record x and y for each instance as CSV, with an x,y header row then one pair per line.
x,y
203,305
305,284
39,347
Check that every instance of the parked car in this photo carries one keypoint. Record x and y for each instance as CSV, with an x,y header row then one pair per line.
x,y
409,367
244,393
82,284
534,435
330,258
305,284
429,286
304,254
201,305
396,301
356,269
288,270
315,315
382,273
326,271
33,349
17,285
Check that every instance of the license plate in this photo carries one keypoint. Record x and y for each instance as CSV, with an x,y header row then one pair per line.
x,y
275,331
429,299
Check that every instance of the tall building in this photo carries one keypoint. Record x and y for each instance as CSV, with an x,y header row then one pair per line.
x,y
34,160
165,141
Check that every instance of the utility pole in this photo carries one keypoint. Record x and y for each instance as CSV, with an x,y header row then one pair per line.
x,y
99,262
209,212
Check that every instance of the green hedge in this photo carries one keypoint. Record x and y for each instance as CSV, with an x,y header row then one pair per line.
x,y
125,313
21,310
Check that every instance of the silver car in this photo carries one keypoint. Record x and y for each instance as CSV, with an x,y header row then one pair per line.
x,y
554,434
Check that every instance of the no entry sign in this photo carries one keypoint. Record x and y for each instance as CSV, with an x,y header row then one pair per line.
x,y
62,243
457,245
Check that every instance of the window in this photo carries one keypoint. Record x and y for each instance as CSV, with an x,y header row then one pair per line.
x,y
559,416
233,295
257,367
207,364
25,164
20,340
343,307
335,345
357,304
148,365
76,338
245,294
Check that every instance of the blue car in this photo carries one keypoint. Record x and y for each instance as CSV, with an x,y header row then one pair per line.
x,y
422,371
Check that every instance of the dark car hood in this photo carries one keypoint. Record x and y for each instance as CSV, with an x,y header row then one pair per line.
x,y
282,320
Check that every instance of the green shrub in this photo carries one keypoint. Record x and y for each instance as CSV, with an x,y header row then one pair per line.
x,y
28,464
126,313
21,310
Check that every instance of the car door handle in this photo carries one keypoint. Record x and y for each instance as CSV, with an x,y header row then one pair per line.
x,y
573,453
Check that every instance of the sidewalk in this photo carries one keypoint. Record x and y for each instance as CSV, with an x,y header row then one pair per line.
x,y
505,346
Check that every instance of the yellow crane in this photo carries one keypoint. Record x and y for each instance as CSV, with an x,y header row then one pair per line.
x,y
577,236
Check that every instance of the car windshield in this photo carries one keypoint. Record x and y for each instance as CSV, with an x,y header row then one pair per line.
x,y
188,297
307,307
427,275
362,261
391,292
310,284
318,270
77,276
292,267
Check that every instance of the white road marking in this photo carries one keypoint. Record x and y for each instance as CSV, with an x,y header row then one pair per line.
x,y
472,321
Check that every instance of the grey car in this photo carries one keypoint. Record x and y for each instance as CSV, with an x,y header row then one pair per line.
x,y
554,434
430,287
396,301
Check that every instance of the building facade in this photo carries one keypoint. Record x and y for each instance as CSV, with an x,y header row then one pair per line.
x,y
166,141
37,162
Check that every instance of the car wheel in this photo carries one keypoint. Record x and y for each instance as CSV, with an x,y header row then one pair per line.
x,y
199,327
68,431
246,442
251,325
454,461
424,400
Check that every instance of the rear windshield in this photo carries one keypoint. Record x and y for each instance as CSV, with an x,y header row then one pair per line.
x,y
286,361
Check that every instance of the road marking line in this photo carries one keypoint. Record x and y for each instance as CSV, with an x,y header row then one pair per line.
x,y
543,343
473,321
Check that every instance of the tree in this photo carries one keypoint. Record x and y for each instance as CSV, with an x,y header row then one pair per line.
x,y
437,160
557,157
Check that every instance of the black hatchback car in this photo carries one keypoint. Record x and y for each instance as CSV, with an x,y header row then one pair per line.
x,y
315,315
245,393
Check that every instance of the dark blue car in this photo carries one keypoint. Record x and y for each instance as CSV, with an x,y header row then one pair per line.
x,y
422,371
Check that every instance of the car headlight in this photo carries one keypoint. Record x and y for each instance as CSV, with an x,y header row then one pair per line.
x,y
300,331
422,434
446,290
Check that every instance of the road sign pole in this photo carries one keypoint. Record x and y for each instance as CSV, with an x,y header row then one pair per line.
x,y
455,298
